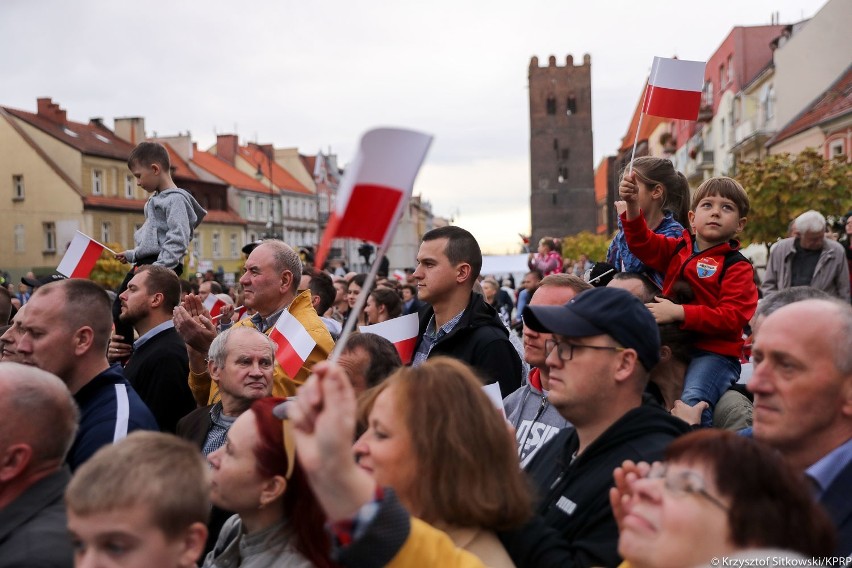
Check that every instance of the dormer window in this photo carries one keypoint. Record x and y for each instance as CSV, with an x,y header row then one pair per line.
x,y
70,132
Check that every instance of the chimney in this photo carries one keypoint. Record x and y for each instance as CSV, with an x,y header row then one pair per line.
x,y
97,121
226,147
131,129
50,110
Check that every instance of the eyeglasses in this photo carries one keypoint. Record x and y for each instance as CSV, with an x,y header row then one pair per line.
x,y
682,483
565,349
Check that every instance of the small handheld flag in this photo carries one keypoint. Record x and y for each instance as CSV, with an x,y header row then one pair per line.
x,y
81,256
294,343
401,331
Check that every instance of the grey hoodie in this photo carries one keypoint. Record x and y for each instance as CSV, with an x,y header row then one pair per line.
x,y
534,419
171,217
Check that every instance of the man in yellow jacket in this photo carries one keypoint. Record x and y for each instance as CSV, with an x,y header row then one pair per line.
x,y
270,286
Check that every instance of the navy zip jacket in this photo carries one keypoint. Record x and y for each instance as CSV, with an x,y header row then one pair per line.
x,y
109,410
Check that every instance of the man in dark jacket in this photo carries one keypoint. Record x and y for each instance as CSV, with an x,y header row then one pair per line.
x,y
65,331
158,365
604,343
39,419
458,323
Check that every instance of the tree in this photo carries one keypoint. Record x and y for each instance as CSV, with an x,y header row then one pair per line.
x,y
109,272
781,187
593,246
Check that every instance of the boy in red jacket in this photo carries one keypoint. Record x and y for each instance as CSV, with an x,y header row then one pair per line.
x,y
721,289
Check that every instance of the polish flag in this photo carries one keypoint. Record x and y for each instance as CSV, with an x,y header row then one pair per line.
x,y
375,187
674,88
242,313
294,343
213,305
80,257
402,332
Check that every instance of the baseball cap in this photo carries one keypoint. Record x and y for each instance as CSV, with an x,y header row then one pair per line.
x,y
602,311
42,280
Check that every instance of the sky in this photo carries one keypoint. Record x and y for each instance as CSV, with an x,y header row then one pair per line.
x,y
317,75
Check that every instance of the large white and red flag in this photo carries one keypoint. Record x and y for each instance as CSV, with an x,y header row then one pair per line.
x,y
674,88
80,257
375,187
213,305
401,331
294,343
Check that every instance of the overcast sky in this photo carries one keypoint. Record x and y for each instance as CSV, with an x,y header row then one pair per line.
x,y
317,74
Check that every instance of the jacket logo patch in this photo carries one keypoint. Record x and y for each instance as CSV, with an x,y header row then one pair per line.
x,y
707,267
566,505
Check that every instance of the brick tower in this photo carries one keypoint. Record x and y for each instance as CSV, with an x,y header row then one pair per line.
x,y
562,191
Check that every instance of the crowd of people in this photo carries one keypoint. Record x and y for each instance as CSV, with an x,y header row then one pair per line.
x,y
655,411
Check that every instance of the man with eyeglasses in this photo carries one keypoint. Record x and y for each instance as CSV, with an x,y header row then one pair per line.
x,y
604,343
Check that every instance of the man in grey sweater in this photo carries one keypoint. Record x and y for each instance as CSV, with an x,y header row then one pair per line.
x,y
527,409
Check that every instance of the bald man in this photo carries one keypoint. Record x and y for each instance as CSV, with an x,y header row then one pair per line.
x,y
38,426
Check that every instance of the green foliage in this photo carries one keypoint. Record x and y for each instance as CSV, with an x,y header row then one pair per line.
x,y
781,187
109,272
593,246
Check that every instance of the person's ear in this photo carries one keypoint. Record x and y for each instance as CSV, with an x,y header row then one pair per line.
x,y
83,339
157,300
665,354
286,281
627,361
463,272
657,191
191,545
156,169
741,224
215,371
14,461
273,488
691,216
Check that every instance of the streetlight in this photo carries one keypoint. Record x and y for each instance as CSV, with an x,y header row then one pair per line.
x,y
270,222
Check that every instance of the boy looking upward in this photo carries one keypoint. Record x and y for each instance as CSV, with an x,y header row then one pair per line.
x,y
704,267
171,216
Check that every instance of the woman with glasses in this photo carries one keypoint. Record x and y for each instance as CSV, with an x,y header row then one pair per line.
x,y
717,495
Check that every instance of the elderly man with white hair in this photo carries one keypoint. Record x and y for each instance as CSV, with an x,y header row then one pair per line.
x,y
808,259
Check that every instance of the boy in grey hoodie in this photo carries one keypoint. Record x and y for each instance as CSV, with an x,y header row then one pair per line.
x,y
171,217
527,409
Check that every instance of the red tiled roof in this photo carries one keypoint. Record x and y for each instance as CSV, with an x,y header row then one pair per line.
x,y
92,139
228,217
226,172
310,163
181,168
649,124
834,102
117,203
280,177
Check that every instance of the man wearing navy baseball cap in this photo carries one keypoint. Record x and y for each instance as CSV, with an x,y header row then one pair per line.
x,y
604,343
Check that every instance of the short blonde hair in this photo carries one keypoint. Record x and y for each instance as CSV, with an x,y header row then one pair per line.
x,y
161,471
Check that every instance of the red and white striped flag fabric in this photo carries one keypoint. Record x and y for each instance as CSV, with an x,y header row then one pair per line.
x,y
213,305
375,187
674,88
401,331
242,313
294,343
81,256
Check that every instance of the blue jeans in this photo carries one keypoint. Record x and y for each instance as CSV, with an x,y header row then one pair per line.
x,y
707,378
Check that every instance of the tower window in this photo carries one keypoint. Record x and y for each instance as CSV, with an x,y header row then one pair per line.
x,y
565,153
572,106
551,105
563,174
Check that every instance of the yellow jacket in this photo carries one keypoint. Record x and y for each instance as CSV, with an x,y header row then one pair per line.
x,y
303,310
427,546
